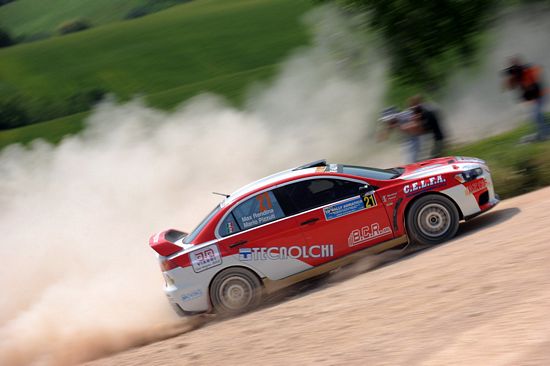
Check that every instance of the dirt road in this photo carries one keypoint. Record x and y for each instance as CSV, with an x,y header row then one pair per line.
x,y
482,299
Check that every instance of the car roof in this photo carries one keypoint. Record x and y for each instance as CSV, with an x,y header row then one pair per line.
x,y
271,180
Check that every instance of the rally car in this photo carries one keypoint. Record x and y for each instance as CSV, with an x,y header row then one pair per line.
x,y
307,221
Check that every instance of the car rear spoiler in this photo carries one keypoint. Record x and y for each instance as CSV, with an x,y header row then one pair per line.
x,y
164,242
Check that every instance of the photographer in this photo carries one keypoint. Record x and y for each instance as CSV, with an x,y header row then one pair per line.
x,y
392,119
528,80
428,119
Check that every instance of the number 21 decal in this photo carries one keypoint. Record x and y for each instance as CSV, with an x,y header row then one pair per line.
x,y
369,201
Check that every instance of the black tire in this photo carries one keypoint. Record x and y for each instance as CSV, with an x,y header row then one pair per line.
x,y
235,290
431,220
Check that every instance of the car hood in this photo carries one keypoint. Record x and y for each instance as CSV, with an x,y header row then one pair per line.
x,y
437,166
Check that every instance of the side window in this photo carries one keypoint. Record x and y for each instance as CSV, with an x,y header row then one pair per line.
x,y
309,194
258,210
229,226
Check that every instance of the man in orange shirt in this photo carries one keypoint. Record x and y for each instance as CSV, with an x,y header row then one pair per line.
x,y
528,80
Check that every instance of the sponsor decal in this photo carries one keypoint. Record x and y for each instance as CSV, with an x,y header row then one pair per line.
x,y
205,258
422,184
230,227
475,186
294,252
344,208
191,295
367,233
389,198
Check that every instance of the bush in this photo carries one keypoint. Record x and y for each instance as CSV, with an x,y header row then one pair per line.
x,y
84,100
4,2
5,39
12,113
75,25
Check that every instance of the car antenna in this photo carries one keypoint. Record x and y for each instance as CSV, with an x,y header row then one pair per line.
x,y
221,194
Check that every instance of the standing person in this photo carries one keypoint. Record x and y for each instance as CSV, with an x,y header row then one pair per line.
x,y
393,119
528,80
428,119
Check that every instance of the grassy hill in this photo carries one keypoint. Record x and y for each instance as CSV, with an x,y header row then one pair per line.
x,y
31,17
215,45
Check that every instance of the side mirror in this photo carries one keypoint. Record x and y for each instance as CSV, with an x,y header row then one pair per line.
x,y
366,190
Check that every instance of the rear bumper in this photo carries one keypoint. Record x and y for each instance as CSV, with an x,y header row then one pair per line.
x,y
186,297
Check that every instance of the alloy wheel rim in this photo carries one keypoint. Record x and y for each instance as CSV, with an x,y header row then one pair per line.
x,y
235,293
434,220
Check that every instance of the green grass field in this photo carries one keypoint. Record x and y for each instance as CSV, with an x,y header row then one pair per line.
x,y
198,43
52,131
28,17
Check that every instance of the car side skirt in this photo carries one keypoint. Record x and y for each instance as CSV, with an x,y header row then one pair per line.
x,y
271,286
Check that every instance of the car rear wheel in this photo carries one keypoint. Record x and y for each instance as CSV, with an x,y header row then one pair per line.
x,y
432,219
235,290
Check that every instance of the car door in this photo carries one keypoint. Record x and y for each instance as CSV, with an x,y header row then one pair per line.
x,y
333,211
259,235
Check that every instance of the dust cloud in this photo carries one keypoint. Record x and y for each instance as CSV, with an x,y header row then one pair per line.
x,y
78,278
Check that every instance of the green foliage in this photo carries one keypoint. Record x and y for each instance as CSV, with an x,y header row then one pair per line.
x,y
425,37
12,113
74,25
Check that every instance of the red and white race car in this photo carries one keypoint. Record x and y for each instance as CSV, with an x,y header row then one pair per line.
x,y
310,220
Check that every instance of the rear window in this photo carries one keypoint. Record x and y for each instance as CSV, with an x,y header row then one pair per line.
x,y
189,238
229,226
372,173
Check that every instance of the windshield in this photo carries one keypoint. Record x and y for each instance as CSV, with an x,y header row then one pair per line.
x,y
189,238
372,173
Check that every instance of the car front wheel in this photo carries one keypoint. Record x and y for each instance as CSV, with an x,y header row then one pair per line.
x,y
235,290
432,219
